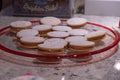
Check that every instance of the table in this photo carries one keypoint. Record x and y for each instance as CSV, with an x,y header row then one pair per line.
x,y
102,70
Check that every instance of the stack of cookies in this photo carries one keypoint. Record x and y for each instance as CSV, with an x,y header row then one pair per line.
x,y
51,38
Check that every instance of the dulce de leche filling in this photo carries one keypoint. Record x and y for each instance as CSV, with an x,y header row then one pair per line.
x,y
14,29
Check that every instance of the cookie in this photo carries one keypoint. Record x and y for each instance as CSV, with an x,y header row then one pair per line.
x,y
81,45
31,41
96,35
75,39
50,21
27,32
76,22
43,29
53,46
20,25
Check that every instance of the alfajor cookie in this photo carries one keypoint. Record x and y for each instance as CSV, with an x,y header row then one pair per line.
x,y
81,45
31,41
78,32
96,35
50,21
43,29
76,22
57,34
27,32
75,39
61,28
51,46
20,25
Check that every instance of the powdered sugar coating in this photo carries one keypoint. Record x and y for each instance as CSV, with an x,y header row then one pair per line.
x,y
56,41
78,32
27,32
83,43
95,34
21,24
58,34
32,39
42,27
50,21
75,39
76,21
62,28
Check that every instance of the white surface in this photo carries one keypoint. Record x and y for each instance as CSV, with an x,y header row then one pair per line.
x,y
102,7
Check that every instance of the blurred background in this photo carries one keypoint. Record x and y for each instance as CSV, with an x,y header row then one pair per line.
x,y
78,5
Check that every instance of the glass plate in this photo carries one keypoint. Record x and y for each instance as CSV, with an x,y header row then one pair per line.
x,y
11,51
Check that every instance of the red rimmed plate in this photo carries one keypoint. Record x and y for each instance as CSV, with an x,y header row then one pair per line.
x,y
8,45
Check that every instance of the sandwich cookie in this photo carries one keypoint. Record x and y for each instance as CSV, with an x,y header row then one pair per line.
x,y
61,28
80,48
50,21
27,32
43,29
57,34
76,22
75,39
20,25
96,35
31,41
52,47
81,45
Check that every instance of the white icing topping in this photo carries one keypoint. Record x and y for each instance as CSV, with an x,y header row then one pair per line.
x,y
78,32
83,43
27,32
50,21
50,46
58,34
76,21
56,41
62,28
20,24
75,39
42,27
32,39
96,33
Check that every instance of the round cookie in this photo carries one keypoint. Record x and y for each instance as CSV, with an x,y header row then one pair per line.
x,y
51,49
53,46
78,32
76,22
81,46
43,29
50,21
57,34
96,35
61,28
75,39
31,41
27,32
20,25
